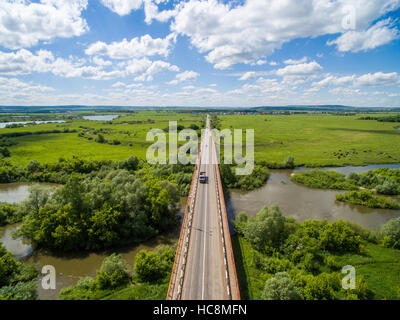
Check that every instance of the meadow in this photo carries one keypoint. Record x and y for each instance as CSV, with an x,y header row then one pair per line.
x,y
320,139
125,136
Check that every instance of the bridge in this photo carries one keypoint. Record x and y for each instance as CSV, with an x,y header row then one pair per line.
x,y
204,267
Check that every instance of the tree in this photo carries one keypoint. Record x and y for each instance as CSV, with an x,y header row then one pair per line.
x,y
391,233
100,139
266,228
113,272
32,166
280,287
290,162
147,266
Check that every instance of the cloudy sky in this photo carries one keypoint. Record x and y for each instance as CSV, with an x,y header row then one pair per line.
x,y
200,53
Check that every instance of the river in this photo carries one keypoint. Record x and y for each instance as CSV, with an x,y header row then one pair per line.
x,y
294,200
305,203
69,267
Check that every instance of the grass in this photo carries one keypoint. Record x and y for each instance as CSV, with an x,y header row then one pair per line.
x,y
379,266
49,148
318,139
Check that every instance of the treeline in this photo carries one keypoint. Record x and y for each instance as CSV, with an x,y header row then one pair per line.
x,y
28,133
17,281
151,273
394,118
298,260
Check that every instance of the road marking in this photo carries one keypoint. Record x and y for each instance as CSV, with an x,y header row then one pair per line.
x,y
205,240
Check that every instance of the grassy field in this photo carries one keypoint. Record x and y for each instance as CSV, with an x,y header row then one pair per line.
x,y
378,265
313,139
319,139
129,130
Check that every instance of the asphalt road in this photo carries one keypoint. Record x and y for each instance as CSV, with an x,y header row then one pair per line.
x,y
205,272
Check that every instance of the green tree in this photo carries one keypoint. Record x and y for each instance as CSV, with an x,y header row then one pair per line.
x,y
266,228
113,272
280,287
391,233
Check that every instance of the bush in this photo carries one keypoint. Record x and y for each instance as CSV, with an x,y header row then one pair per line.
x,y
113,272
323,180
339,237
151,266
366,198
280,287
266,228
391,233
319,287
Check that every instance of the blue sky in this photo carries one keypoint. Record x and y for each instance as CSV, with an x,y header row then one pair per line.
x,y
200,53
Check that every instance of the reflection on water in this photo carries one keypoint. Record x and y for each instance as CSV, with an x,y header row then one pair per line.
x,y
18,191
108,117
305,203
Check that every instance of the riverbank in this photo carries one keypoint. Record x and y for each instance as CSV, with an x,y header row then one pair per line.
x,y
303,203
314,270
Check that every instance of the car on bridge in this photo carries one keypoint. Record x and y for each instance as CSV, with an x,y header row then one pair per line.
x,y
203,178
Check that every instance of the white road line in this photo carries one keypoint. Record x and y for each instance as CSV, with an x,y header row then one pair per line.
x,y
205,240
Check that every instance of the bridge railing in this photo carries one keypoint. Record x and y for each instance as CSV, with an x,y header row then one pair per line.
x,y
223,213
187,219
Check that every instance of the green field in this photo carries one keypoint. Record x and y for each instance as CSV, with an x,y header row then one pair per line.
x,y
313,139
48,148
319,139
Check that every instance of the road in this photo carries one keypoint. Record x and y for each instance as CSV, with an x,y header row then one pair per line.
x,y
206,275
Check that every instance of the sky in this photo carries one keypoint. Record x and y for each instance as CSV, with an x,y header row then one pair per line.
x,y
200,53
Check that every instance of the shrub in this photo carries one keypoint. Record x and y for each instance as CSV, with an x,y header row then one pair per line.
x,y
391,233
113,272
266,228
280,287
339,237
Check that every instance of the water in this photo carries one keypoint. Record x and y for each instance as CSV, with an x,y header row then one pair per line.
x,y
3,124
305,203
18,191
71,267
101,118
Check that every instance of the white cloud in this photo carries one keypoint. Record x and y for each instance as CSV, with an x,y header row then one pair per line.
x,y
152,13
101,62
378,79
380,34
184,76
144,69
231,34
26,62
135,48
366,80
23,23
302,69
300,61
122,7
248,75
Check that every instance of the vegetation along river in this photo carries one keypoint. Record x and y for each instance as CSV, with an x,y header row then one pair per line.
x,y
305,203
294,200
